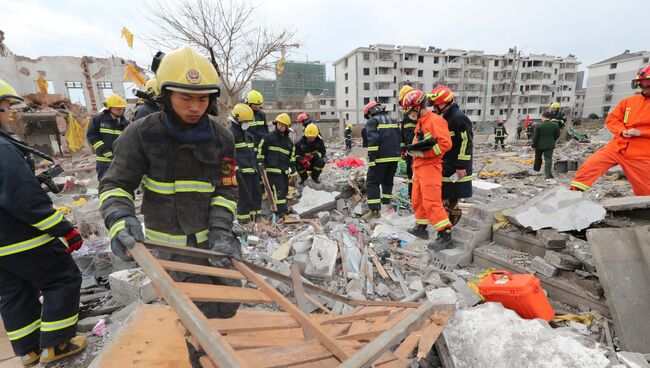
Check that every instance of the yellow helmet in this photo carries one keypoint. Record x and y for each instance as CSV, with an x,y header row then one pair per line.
x,y
254,97
284,119
114,100
242,112
311,130
404,91
349,126
7,92
555,105
152,86
185,70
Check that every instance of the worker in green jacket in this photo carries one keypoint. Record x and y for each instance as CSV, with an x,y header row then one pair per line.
x,y
544,137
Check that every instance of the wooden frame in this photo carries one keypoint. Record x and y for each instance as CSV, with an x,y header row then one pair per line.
x,y
254,338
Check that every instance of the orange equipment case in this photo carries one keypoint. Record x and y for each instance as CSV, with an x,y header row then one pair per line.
x,y
521,293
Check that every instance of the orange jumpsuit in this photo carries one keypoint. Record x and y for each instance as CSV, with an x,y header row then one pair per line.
x,y
427,173
633,154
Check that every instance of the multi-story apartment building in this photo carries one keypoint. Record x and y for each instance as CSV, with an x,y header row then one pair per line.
x,y
608,81
488,87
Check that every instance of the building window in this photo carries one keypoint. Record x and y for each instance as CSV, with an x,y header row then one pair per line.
x,y
612,66
366,56
366,100
478,112
366,86
496,63
105,89
76,93
436,60
420,73
347,103
420,59
606,109
345,63
491,111
611,77
366,71
436,73
646,60
345,76
347,116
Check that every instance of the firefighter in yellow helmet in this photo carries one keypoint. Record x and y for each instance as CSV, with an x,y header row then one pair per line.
x,y
103,130
407,126
348,137
185,160
150,105
249,205
310,154
33,260
258,127
277,154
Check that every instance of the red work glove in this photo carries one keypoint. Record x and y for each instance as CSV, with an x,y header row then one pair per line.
x,y
403,154
305,162
74,240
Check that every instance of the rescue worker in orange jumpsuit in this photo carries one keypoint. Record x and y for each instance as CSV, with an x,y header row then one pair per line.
x,y
630,147
431,141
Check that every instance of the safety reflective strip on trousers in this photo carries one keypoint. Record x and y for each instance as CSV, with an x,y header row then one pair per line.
x,y
24,331
110,131
175,240
221,201
422,221
275,197
579,185
464,179
387,196
115,192
103,159
60,324
25,245
49,221
98,144
374,201
179,186
388,159
409,125
373,148
442,224
462,155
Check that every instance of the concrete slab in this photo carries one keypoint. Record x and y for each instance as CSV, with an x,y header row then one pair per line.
x,y
322,257
558,208
314,201
626,203
623,261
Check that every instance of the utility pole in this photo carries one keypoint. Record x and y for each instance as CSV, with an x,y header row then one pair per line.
x,y
513,78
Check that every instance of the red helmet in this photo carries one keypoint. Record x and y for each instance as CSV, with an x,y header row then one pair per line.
x,y
499,122
643,75
413,99
372,108
440,95
303,119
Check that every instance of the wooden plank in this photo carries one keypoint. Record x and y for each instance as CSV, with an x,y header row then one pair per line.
x,y
294,311
362,336
388,339
359,326
427,339
201,270
381,303
356,316
148,339
213,344
220,293
251,324
299,294
444,355
380,267
286,356
249,342
407,346
315,302
325,363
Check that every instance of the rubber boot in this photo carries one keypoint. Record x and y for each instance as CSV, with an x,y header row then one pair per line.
x,y
455,215
30,359
315,177
443,241
65,349
420,231
372,214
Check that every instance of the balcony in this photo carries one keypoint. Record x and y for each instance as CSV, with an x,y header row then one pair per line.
x,y
384,78
409,78
385,93
384,63
408,64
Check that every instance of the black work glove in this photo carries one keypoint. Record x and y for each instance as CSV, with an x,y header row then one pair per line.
x,y
126,237
226,244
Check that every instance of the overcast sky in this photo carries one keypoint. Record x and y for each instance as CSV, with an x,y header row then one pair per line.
x,y
328,29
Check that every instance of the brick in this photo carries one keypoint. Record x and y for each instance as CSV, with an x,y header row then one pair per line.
x,y
128,286
551,239
540,265
562,260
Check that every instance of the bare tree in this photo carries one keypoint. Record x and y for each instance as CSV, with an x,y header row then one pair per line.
x,y
242,45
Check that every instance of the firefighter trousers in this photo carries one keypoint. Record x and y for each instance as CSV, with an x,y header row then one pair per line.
x,y
427,199
604,159
250,196
46,270
102,168
380,175
316,168
409,174
499,141
280,188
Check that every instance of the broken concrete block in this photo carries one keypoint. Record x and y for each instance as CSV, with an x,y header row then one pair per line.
x,y
581,250
551,239
301,259
541,266
589,284
322,257
88,282
128,286
632,360
340,204
626,203
444,295
470,297
315,200
382,289
435,280
557,208
562,260
324,217
488,191
416,285
361,209
87,324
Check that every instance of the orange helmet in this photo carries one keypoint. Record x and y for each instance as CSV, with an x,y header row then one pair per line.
x,y
642,78
440,95
303,119
413,99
